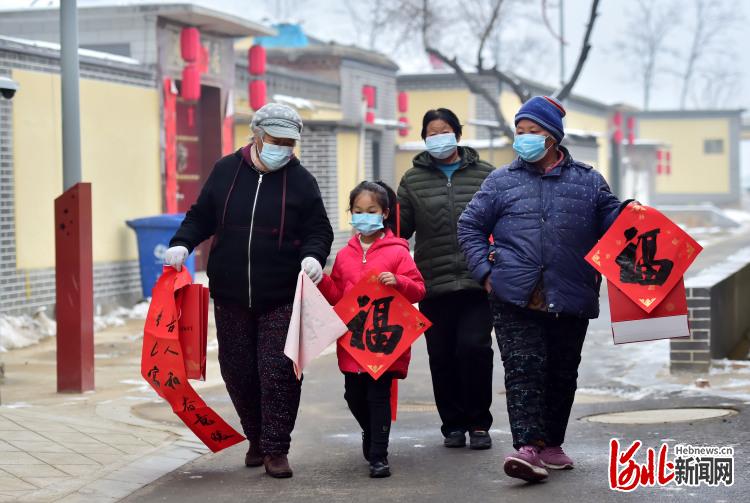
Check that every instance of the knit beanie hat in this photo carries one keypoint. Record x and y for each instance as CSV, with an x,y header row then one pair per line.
x,y
545,111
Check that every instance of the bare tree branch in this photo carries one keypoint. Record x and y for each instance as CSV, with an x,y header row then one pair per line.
x,y
475,89
582,56
490,26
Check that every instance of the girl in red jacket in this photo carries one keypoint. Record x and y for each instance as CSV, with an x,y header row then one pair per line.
x,y
373,248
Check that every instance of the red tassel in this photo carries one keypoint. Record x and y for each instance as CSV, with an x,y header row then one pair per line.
x,y
398,220
394,399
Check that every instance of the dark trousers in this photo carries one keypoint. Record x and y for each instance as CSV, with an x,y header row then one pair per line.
x,y
260,379
370,403
459,344
541,353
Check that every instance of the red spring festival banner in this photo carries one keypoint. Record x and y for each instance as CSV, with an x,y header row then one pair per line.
x,y
176,304
382,324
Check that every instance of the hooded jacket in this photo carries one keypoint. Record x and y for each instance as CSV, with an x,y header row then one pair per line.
x,y
263,224
389,254
430,207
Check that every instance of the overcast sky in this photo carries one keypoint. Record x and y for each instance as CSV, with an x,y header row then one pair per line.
x,y
606,76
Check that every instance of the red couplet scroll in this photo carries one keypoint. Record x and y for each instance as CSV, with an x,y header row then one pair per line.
x,y
163,357
382,324
644,254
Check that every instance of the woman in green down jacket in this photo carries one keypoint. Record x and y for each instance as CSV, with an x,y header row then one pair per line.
x,y
433,194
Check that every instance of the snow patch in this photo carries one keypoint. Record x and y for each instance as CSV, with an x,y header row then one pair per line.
x,y
22,331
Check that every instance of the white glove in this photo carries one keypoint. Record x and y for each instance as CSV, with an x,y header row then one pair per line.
x,y
176,256
312,268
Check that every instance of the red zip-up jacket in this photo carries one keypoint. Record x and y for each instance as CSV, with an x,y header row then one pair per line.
x,y
388,254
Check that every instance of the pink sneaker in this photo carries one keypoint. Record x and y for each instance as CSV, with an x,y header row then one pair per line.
x,y
555,458
525,464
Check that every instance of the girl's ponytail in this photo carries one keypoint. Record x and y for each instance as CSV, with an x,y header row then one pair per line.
x,y
392,221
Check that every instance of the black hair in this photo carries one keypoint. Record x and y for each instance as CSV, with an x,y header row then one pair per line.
x,y
385,197
442,114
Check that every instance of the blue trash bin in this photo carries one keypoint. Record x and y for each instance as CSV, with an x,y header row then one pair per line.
x,y
153,234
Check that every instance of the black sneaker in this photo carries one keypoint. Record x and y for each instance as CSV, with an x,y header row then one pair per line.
x,y
366,445
479,440
379,469
455,439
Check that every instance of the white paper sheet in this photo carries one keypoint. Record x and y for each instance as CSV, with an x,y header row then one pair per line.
x,y
314,325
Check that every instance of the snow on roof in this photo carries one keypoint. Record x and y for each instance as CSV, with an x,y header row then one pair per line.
x,y
298,103
39,44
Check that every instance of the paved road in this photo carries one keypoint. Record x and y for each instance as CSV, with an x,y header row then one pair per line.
x,y
328,464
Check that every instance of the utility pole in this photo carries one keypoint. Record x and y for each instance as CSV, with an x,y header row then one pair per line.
x,y
74,275
71,127
562,42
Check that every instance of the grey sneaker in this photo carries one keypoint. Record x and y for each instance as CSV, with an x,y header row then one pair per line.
x,y
480,440
455,439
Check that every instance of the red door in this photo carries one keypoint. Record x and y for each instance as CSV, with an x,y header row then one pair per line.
x,y
198,148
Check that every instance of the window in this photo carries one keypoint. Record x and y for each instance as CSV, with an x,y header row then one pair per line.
x,y
713,146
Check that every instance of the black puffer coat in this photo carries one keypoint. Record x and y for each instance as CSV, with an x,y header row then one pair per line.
x,y
430,207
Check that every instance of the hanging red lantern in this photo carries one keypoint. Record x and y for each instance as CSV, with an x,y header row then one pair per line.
x,y
257,90
190,89
668,164
617,120
368,94
631,130
658,162
403,102
190,43
256,60
403,130
370,117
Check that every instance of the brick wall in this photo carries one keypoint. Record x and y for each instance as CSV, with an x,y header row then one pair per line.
x,y
24,291
693,354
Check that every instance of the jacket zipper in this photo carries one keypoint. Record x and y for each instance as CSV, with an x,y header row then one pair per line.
x,y
250,242
454,229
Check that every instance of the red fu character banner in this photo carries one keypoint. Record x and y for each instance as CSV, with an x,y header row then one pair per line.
x,y
163,358
644,254
382,324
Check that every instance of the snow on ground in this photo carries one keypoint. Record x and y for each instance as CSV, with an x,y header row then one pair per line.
x,y
22,331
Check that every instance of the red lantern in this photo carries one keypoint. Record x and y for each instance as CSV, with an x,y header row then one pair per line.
x,y
256,60
631,130
403,131
370,117
191,83
403,102
257,91
190,43
617,120
658,162
368,94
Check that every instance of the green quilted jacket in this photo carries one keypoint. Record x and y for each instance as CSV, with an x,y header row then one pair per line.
x,y
430,208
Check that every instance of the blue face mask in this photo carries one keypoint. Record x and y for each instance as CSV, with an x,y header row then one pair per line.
x,y
367,223
275,157
530,147
441,146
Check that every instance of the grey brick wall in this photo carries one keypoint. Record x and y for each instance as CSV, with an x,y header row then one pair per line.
x,y
23,291
318,155
693,354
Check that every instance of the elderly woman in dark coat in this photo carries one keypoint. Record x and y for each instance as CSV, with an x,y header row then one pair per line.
x,y
268,218
545,211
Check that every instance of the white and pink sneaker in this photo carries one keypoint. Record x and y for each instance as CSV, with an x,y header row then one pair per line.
x,y
555,458
526,464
